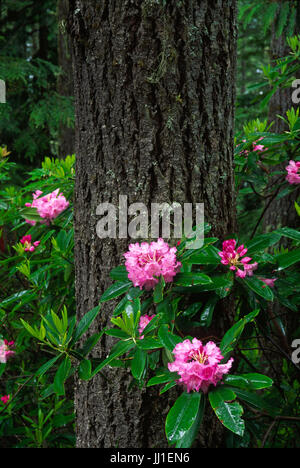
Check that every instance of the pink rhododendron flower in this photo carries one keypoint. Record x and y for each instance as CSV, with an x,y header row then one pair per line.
x,y
145,263
28,246
233,257
5,399
269,282
256,147
5,351
293,170
198,365
49,206
144,320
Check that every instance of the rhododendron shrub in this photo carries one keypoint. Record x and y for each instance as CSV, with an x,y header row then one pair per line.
x,y
37,277
165,315
165,294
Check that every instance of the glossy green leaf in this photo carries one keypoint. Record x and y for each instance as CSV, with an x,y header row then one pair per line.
x,y
259,287
119,349
187,440
61,376
85,323
288,259
227,411
115,290
149,343
248,381
290,233
232,336
45,367
182,416
138,363
164,376
207,312
167,339
119,273
191,279
85,369
262,242
158,293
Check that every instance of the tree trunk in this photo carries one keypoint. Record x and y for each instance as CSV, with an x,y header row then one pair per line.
x,y
65,85
155,95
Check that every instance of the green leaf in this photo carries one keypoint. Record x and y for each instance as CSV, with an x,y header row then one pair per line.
x,y
138,363
151,325
32,331
30,213
217,282
85,323
119,273
192,310
248,381
232,336
187,440
288,259
262,242
259,287
120,348
45,367
206,256
116,332
207,312
228,412
115,290
254,400
61,376
290,233
85,369
191,279
167,387
158,293
163,376
167,339
132,294
90,343
182,416
149,343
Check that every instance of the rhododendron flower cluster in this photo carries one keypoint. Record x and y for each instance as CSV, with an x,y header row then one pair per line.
x,y
198,365
256,147
293,170
28,246
5,351
269,281
233,257
49,206
5,399
144,320
145,263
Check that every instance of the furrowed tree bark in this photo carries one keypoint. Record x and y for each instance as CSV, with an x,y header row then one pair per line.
x,y
155,94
